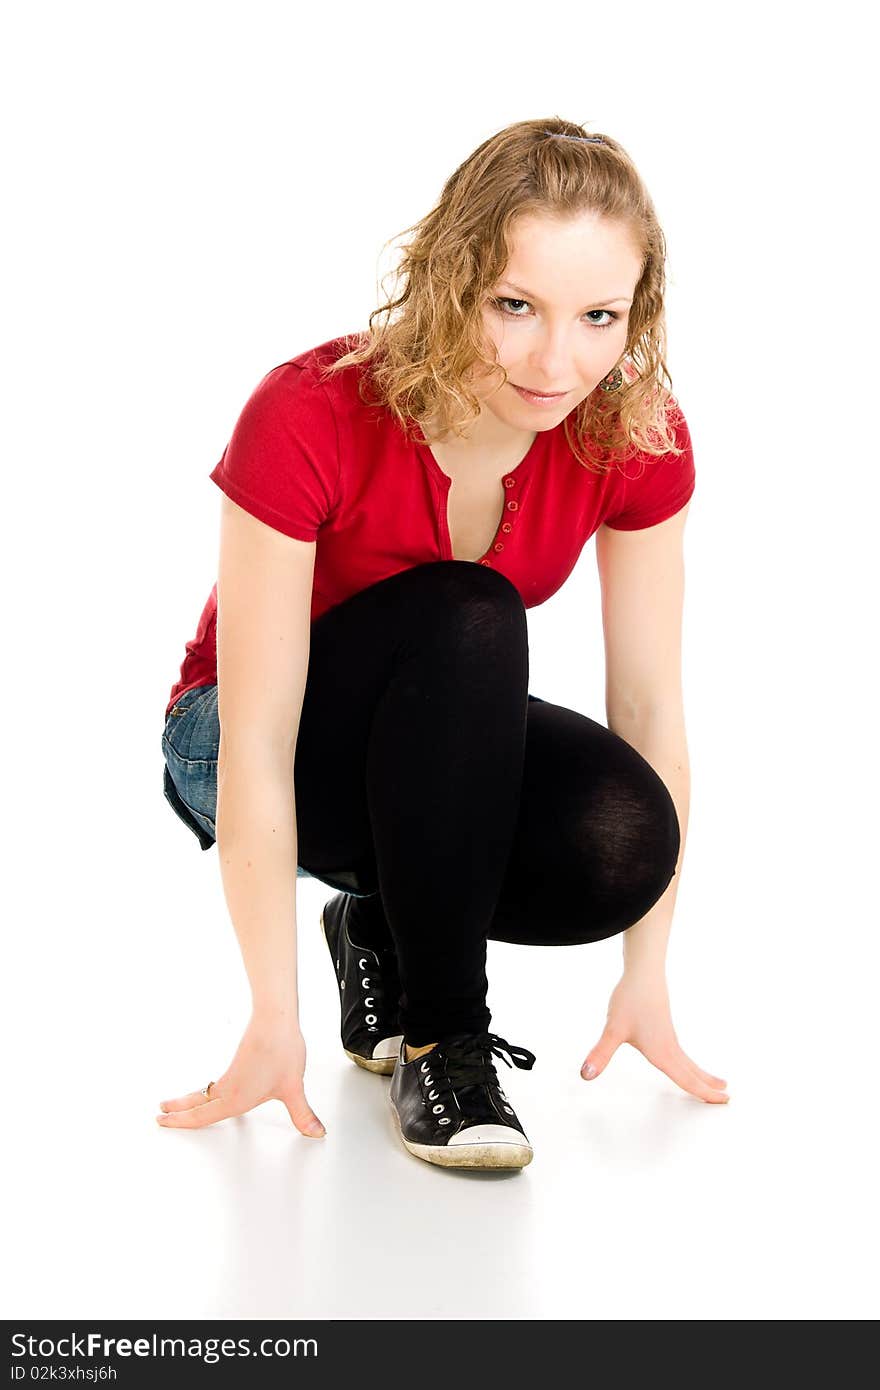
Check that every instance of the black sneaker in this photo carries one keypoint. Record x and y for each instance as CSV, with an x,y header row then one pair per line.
x,y
369,992
450,1108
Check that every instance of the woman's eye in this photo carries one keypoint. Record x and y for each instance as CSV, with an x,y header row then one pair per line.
x,y
515,314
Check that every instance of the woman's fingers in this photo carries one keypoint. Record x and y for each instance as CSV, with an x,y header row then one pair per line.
x,y
196,1110
717,1081
185,1102
269,1064
707,1076
302,1114
681,1072
198,1116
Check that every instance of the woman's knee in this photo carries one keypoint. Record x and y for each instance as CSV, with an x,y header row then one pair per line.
x,y
471,613
636,835
616,858
457,604
465,590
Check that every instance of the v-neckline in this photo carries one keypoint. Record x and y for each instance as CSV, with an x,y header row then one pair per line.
x,y
513,481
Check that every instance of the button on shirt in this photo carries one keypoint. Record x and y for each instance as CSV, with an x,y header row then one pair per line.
x,y
309,458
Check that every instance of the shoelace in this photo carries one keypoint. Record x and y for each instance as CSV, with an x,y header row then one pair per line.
x,y
460,1065
468,1058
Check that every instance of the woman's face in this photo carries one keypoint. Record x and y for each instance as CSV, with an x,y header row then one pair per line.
x,y
557,318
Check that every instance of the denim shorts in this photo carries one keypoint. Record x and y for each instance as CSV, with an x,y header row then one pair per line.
x,y
190,746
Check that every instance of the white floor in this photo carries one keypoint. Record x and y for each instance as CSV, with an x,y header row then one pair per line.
x,y
641,1202
148,319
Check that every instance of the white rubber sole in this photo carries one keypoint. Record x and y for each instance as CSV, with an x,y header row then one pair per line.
x,y
494,1153
384,1066
381,1064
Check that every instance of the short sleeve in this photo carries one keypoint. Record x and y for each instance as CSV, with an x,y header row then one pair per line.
x,y
282,461
658,490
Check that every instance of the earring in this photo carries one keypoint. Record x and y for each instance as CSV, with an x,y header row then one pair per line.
x,y
613,381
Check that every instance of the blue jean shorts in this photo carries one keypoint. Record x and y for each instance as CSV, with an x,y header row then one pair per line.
x,y
190,746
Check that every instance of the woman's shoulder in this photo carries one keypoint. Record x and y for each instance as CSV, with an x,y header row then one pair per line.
x,y
299,385
330,350
306,373
314,360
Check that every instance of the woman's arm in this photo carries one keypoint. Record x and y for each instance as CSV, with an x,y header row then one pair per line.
x,y
642,577
638,1011
263,629
257,848
642,580
264,593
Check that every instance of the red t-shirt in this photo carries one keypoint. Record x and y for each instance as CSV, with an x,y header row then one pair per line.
x,y
313,461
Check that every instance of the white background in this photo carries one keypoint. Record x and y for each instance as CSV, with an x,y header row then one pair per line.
x,y
196,192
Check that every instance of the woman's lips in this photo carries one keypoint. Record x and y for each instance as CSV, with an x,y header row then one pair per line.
x,y
539,397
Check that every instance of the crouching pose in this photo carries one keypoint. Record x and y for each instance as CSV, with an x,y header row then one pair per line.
x,y
355,707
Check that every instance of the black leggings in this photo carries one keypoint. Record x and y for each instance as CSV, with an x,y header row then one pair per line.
x,y
457,806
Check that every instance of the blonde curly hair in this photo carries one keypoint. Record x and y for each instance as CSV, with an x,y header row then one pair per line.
x,y
418,358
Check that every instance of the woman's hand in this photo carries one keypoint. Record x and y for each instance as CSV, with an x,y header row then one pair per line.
x,y
268,1065
638,1013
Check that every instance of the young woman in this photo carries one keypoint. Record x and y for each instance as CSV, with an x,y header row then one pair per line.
x,y
355,704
